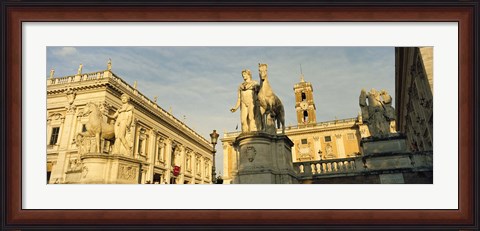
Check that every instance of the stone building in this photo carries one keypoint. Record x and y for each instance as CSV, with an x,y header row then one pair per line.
x,y
157,147
313,141
414,96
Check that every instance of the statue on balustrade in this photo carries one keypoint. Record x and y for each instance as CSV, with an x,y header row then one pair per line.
x,y
123,121
80,67
378,112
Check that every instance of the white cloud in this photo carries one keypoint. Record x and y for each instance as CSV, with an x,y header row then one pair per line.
x,y
65,51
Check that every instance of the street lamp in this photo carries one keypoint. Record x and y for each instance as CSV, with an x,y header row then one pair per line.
x,y
214,137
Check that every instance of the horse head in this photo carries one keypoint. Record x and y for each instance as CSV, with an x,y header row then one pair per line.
x,y
262,71
89,108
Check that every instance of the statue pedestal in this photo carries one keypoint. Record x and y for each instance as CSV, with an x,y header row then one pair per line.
x,y
264,159
107,169
392,144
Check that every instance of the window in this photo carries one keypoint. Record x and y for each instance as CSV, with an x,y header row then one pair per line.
x,y
54,136
304,97
328,138
305,116
350,136
84,128
304,141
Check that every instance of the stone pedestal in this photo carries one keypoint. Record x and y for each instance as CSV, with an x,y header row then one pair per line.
x,y
106,169
393,144
264,159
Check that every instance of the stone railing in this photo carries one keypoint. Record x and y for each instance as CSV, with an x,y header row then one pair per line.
x,y
416,161
323,124
76,78
301,126
146,100
332,166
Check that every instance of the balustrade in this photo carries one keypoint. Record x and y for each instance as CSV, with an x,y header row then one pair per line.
x,y
78,78
332,166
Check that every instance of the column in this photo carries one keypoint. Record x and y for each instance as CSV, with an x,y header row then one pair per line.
x,y
168,160
151,154
317,146
181,176
226,158
340,146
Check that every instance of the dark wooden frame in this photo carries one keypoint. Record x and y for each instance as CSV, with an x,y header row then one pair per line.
x,y
15,12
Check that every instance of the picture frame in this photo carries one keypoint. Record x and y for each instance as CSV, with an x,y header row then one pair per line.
x,y
464,13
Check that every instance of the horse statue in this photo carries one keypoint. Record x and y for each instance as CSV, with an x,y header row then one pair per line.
x,y
270,104
96,126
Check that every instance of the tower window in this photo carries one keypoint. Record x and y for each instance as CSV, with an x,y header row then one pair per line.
x,y
304,141
54,136
304,97
84,128
305,116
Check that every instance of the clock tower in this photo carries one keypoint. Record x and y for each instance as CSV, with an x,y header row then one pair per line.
x,y
304,105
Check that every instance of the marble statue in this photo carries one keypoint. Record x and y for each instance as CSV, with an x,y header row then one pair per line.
x,y
177,160
109,64
329,151
95,127
270,104
52,72
378,112
79,72
123,120
387,105
247,100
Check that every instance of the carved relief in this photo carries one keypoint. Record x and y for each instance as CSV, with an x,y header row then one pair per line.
x,y
74,165
250,153
70,94
127,172
329,151
59,117
84,171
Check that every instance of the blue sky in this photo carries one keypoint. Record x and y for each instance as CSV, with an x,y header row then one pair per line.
x,y
200,83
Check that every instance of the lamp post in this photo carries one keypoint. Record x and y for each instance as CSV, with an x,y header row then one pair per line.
x,y
214,137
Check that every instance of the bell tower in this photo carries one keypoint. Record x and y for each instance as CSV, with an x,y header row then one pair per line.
x,y
304,105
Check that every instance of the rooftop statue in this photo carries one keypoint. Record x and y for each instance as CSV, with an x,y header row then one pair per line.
x,y
80,67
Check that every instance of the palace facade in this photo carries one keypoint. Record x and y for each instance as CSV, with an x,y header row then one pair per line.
x,y
163,150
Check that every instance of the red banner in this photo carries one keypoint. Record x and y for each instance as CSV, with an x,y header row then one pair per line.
x,y
176,170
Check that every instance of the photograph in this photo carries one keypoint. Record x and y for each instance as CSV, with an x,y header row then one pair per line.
x,y
239,115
